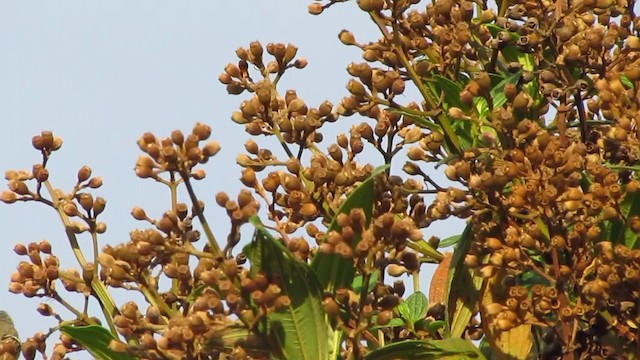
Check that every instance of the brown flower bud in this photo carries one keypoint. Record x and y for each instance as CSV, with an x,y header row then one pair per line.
x,y
398,86
482,78
309,210
356,88
138,213
84,173
211,148
85,200
256,51
18,187
396,270
202,131
521,102
95,182
8,197
371,5
297,105
20,249
44,246
248,177
41,175
504,324
493,309
98,206
347,38
315,8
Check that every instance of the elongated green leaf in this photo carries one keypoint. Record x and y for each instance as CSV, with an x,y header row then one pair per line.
x,y
333,270
626,81
195,293
481,106
395,322
543,227
299,331
427,349
530,278
451,92
619,232
424,248
495,29
227,339
357,282
450,241
452,141
511,52
418,120
485,348
432,326
414,308
462,288
96,340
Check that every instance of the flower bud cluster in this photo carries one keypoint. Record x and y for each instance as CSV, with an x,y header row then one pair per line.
x,y
177,153
36,276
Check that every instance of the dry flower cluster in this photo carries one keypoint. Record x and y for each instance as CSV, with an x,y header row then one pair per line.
x,y
530,109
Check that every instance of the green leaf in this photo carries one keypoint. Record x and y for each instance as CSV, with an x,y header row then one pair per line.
x,y
486,349
299,331
424,248
462,289
452,141
96,340
626,82
511,52
395,322
195,293
357,282
450,241
333,270
481,106
427,349
543,227
227,339
432,326
451,92
419,120
530,278
619,232
495,29
414,308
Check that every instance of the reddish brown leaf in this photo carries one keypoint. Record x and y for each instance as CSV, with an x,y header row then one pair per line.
x,y
437,290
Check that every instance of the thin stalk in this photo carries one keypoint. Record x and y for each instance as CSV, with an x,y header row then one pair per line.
x,y
566,331
173,189
107,304
215,248
276,129
154,299
54,294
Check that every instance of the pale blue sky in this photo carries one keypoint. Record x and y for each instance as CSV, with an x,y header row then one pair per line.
x,y
101,73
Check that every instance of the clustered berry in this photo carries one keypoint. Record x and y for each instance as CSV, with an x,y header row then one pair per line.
x,y
531,110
